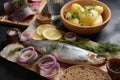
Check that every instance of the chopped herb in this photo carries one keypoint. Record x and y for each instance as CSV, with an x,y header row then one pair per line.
x,y
49,49
21,3
74,15
12,52
81,24
112,48
31,61
101,48
65,13
90,9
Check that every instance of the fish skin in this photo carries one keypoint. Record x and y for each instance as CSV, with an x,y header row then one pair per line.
x,y
67,53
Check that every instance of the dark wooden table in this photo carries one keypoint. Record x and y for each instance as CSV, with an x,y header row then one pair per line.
x,y
111,33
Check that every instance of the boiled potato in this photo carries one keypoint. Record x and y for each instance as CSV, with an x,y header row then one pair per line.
x,y
76,8
84,16
87,8
92,15
98,20
83,19
99,9
81,16
68,15
75,21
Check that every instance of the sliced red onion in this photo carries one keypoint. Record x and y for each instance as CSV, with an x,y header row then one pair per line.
x,y
35,55
50,74
27,35
70,36
47,63
27,54
21,14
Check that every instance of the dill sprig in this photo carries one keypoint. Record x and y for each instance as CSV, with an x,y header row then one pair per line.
x,y
100,48
21,3
49,49
12,52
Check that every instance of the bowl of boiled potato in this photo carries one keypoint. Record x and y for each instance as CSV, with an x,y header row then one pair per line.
x,y
85,17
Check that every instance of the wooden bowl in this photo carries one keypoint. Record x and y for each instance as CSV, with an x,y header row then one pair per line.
x,y
85,30
112,65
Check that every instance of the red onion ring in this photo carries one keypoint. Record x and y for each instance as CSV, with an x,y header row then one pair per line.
x,y
27,51
53,73
47,63
35,55
27,35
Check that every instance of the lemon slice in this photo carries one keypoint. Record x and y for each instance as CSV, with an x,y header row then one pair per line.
x,y
43,27
52,34
37,37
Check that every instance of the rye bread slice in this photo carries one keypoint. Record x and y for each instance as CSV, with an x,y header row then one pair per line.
x,y
84,72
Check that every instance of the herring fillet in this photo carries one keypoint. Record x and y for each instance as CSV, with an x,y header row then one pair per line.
x,y
5,52
67,53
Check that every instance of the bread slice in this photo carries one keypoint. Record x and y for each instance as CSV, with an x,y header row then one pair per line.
x,y
4,18
84,72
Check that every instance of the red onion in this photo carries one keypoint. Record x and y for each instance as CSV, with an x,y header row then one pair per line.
x,y
47,65
25,36
27,54
51,74
47,62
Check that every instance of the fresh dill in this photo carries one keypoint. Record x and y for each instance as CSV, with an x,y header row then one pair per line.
x,y
49,49
74,15
12,52
21,3
100,48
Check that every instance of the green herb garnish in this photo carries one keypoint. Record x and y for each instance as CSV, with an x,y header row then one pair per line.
x,y
12,52
21,3
100,48
49,49
74,15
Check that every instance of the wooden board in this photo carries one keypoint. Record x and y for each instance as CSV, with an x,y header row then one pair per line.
x,y
34,67
64,66
4,18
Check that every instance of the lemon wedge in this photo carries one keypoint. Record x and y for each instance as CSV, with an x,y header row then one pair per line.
x,y
43,27
37,37
52,34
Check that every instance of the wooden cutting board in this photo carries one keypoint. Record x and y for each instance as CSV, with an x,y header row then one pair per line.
x,y
4,18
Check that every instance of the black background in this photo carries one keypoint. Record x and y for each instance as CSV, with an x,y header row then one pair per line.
x,y
111,33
